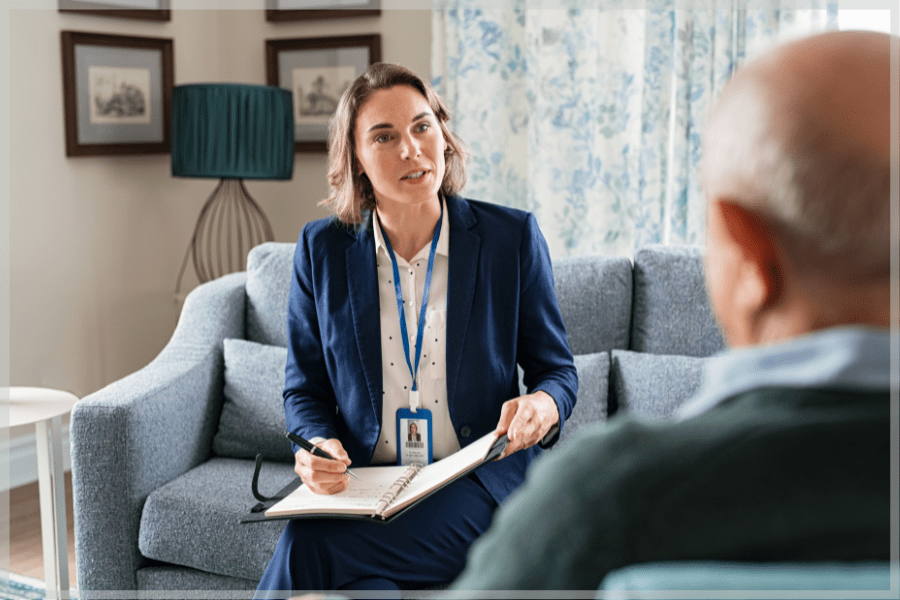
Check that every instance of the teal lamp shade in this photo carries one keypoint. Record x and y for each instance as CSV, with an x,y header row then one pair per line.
x,y
234,131
230,132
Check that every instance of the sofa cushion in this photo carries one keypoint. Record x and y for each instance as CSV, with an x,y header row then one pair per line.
x,y
591,401
194,520
652,385
594,295
252,419
269,272
670,311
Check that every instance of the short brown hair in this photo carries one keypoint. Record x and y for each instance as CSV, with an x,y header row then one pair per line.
x,y
351,193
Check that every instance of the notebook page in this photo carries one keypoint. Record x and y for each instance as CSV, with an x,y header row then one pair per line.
x,y
435,474
359,498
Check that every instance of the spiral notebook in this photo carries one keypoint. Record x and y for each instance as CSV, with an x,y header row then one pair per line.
x,y
384,492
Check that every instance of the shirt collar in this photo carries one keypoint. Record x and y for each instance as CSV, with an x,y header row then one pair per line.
x,y
842,357
443,245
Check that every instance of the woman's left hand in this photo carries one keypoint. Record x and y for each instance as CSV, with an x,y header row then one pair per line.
x,y
526,420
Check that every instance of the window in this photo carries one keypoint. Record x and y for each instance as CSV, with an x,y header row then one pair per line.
x,y
870,19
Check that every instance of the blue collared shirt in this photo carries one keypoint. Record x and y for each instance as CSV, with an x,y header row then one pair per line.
x,y
842,357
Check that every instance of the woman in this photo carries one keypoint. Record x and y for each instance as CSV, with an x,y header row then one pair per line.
x,y
468,284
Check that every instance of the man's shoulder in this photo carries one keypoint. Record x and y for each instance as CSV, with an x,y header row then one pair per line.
x,y
633,444
812,396
635,490
799,406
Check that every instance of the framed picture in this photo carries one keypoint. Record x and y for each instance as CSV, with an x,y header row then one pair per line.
x,y
148,10
117,93
309,10
317,71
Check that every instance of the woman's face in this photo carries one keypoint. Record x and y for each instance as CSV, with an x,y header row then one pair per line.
x,y
413,429
399,146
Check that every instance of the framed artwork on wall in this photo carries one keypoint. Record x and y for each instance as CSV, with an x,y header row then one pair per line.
x,y
317,71
310,10
148,10
117,93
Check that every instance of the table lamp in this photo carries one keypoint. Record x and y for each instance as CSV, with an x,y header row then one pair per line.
x,y
230,132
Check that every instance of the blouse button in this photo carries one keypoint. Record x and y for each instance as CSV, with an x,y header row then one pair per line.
x,y
466,431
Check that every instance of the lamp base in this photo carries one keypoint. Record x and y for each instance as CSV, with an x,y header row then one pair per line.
x,y
230,224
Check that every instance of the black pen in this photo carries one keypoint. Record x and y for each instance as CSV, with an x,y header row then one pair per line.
x,y
314,450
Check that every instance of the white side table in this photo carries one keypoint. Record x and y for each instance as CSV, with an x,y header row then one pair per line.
x,y
42,410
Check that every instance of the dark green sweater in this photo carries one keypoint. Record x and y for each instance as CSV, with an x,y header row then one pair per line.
x,y
769,475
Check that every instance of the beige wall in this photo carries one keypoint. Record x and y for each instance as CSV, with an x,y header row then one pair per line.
x,y
96,242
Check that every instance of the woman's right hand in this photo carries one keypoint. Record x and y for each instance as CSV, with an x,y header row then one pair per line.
x,y
321,475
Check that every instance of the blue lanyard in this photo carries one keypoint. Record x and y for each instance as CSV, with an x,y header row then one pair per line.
x,y
434,240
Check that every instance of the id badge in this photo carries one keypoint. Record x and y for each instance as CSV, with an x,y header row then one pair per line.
x,y
414,443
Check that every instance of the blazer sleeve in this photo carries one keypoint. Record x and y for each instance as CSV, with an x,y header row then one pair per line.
x,y
309,398
543,346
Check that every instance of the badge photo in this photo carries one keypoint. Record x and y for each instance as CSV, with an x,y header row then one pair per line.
x,y
414,441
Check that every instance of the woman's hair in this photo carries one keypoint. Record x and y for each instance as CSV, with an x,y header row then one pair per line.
x,y
351,192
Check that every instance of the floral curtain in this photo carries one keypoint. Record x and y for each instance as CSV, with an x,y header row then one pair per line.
x,y
592,117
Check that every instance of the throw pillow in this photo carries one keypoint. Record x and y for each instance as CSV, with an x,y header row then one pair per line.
x,y
652,385
252,419
670,310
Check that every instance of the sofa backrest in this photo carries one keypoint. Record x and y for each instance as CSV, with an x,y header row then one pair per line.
x,y
594,294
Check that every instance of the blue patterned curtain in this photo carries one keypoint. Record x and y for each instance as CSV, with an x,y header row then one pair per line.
x,y
591,117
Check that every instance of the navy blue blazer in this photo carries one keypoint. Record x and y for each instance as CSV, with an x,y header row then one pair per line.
x,y
501,311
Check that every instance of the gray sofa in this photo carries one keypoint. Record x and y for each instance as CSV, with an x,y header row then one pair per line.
x,y
162,460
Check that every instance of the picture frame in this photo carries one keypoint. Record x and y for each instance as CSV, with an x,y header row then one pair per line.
x,y
117,93
312,10
316,71
146,10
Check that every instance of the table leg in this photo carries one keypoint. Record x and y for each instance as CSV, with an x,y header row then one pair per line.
x,y
53,507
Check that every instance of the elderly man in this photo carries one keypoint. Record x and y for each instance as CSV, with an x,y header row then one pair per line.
x,y
784,454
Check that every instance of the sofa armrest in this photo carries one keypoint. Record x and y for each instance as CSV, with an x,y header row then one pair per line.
x,y
146,429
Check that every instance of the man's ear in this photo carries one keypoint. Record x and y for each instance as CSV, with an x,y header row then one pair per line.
x,y
752,236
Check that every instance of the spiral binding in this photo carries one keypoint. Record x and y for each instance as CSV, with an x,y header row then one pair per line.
x,y
398,487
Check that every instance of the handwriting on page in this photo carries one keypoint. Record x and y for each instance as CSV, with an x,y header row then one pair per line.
x,y
369,493
373,483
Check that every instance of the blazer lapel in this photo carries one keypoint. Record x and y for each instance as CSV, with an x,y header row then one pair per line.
x,y
464,251
362,283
